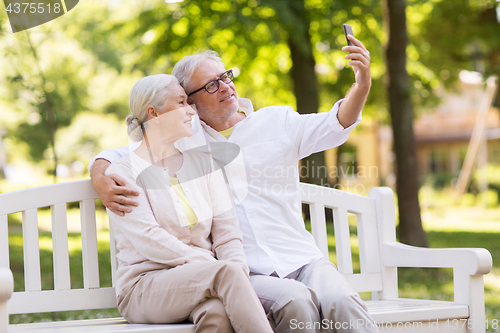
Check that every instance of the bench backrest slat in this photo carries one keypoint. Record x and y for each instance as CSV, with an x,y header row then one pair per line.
x,y
31,251
318,227
46,196
60,250
342,241
89,244
62,300
368,240
4,241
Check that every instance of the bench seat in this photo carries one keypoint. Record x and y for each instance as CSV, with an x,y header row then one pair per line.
x,y
384,312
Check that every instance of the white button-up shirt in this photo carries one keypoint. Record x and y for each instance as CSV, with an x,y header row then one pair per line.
x,y
264,179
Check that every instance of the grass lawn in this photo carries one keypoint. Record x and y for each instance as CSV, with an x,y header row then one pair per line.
x,y
447,225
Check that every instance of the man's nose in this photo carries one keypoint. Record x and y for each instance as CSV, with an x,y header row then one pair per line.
x,y
223,86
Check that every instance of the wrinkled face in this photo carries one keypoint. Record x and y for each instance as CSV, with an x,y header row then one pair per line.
x,y
175,115
217,107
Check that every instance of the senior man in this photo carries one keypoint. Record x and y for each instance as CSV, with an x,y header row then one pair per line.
x,y
299,289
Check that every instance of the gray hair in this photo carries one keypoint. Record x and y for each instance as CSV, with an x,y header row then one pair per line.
x,y
185,68
150,90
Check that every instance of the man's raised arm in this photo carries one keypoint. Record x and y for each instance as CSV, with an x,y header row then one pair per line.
x,y
112,189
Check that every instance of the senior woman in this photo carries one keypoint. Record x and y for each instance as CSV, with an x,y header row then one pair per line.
x,y
180,253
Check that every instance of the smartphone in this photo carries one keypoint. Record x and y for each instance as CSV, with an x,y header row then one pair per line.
x,y
348,31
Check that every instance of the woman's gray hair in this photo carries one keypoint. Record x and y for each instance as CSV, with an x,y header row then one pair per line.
x,y
185,68
150,90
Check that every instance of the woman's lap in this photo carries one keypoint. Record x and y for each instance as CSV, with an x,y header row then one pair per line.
x,y
169,295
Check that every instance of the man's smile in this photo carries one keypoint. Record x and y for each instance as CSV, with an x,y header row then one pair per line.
x,y
226,98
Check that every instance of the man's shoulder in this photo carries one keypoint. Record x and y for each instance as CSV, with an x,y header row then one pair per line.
x,y
274,111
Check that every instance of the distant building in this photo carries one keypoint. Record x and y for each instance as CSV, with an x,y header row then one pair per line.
x,y
442,138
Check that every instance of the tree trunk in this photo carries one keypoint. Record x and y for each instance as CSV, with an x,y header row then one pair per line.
x,y
305,88
410,224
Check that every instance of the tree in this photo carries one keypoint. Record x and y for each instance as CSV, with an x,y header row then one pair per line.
x,y
275,42
47,89
400,106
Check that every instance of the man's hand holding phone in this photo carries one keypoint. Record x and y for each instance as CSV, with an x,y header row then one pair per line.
x,y
359,58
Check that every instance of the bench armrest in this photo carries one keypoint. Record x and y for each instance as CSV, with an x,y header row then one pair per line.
x,y
6,289
473,261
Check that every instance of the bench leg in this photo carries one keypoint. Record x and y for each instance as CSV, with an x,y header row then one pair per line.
x,y
469,289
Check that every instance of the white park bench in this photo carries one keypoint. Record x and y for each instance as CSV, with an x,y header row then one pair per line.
x,y
379,254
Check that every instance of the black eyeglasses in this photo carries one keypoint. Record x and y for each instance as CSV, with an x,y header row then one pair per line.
x,y
212,86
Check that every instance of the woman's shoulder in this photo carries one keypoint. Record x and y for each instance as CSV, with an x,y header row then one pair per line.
x,y
123,164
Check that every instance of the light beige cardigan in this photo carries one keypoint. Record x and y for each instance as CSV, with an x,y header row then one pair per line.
x,y
155,235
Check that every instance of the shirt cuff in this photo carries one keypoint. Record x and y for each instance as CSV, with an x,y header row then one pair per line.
x,y
334,120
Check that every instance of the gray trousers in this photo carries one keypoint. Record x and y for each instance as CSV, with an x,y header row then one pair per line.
x,y
216,295
312,298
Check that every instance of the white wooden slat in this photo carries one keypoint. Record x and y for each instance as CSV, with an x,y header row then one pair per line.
x,y
342,241
4,241
332,198
105,325
45,196
318,227
369,250
112,253
364,282
31,251
409,310
89,244
60,251
386,225
62,300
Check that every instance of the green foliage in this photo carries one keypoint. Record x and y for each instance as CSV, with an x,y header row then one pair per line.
x,y
438,180
45,84
90,133
448,37
91,57
252,36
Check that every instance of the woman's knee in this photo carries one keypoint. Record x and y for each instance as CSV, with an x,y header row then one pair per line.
x,y
210,316
232,269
